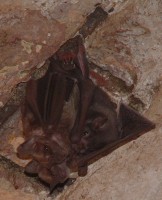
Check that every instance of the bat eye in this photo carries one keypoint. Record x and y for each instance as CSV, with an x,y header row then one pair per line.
x,y
86,133
47,150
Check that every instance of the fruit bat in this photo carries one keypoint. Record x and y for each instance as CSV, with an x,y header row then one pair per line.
x,y
69,122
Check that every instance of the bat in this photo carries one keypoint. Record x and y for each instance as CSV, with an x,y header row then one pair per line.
x,y
107,127
50,110
69,122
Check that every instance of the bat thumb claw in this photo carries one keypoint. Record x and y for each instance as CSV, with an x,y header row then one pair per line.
x,y
52,187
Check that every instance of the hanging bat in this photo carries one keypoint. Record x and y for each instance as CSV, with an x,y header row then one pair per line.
x,y
69,122
107,127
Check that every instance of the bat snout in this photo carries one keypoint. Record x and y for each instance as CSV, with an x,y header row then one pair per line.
x,y
75,139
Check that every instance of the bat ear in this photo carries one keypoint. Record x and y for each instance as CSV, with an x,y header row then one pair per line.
x,y
98,122
131,122
32,167
24,151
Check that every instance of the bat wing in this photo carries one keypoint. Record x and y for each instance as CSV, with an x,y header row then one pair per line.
x,y
46,96
132,122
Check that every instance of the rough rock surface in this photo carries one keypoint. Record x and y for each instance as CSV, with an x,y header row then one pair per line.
x,y
125,55
129,46
31,31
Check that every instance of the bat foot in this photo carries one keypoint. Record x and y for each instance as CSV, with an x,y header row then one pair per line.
x,y
82,170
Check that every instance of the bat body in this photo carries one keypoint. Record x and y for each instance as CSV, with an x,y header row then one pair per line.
x,y
68,121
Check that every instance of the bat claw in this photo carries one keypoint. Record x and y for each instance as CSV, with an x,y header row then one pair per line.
x,y
52,187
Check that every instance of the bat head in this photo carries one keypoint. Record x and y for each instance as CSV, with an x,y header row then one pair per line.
x,y
72,54
99,131
48,160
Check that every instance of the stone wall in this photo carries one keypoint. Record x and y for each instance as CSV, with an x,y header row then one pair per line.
x,y
123,40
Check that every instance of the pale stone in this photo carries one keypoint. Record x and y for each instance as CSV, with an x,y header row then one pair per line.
x,y
27,24
38,48
129,46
